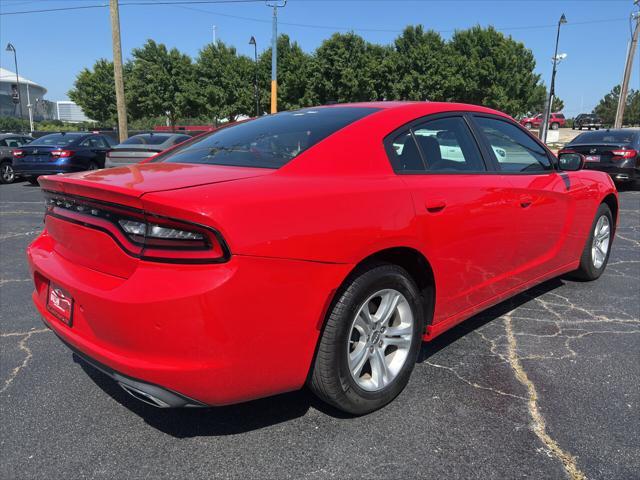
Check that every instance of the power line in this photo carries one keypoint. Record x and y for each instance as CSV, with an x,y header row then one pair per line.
x,y
381,30
183,4
104,5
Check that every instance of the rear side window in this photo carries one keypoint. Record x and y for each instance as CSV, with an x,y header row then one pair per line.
x,y
91,142
514,149
447,146
180,139
404,154
268,142
439,146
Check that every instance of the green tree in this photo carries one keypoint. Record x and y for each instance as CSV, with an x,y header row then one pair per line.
x,y
293,71
632,110
342,70
422,67
224,82
608,105
494,70
161,83
94,91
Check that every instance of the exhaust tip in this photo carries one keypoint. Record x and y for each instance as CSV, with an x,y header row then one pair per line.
x,y
144,396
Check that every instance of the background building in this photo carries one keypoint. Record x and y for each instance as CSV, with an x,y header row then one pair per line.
x,y
69,111
29,91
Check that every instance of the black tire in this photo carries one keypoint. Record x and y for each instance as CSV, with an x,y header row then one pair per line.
x,y
587,270
33,180
7,174
580,127
331,379
93,166
554,126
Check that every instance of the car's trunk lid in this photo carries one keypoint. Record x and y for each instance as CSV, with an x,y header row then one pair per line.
x,y
597,152
38,154
131,154
84,238
125,184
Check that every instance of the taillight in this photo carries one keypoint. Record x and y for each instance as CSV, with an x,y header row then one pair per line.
x,y
624,153
18,153
62,153
141,234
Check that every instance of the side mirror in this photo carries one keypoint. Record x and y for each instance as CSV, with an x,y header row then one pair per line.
x,y
570,162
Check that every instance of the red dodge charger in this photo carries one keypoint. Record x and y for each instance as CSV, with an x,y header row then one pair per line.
x,y
319,246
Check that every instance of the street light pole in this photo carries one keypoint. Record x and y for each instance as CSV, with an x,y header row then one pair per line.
x,y
274,53
29,109
255,82
11,48
544,126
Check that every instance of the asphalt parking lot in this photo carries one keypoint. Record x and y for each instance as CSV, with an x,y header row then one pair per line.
x,y
544,386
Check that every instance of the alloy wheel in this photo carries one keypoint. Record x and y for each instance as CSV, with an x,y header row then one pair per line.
x,y
380,339
7,173
601,239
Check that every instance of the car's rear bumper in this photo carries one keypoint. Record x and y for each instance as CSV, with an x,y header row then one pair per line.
x,y
146,392
624,172
36,169
218,334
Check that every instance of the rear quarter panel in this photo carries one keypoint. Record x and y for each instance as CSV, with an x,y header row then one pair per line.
x,y
323,219
597,187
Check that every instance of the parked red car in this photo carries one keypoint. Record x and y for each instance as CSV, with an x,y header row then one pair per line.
x,y
318,246
556,120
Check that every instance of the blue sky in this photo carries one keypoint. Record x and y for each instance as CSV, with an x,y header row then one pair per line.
x,y
53,47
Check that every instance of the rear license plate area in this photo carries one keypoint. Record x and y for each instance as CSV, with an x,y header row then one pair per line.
x,y
592,158
60,304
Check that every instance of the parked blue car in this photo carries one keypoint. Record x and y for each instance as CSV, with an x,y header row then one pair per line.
x,y
61,153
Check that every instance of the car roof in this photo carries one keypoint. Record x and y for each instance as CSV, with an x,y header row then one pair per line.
x,y
8,135
418,108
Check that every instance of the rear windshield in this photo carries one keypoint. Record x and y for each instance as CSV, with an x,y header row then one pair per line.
x,y
57,139
146,139
270,141
604,136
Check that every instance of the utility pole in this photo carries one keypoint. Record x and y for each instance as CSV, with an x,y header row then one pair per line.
x,y
214,34
121,104
544,126
622,99
274,53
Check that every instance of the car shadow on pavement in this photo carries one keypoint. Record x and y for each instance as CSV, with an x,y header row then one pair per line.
x,y
257,414
486,316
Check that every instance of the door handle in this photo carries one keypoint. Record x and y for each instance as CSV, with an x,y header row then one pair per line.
x,y
526,201
435,206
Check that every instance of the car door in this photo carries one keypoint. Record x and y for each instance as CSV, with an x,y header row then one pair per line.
x,y
464,213
543,236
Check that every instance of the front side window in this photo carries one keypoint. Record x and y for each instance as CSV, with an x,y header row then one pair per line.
x,y
267,142
514,149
